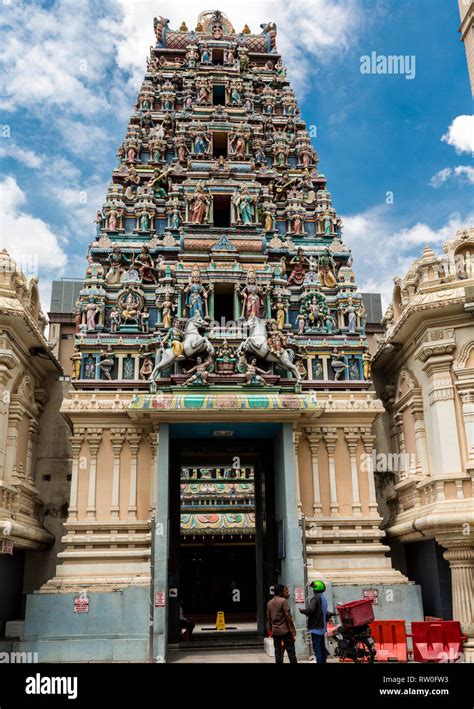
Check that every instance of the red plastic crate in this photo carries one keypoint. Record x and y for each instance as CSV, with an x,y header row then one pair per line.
x,y
356,612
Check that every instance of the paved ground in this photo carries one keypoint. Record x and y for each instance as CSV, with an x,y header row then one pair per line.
x,y
224,656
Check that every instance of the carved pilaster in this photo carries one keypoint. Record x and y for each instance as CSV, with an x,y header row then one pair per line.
x,y
76,445
117,438
93,437
368,441
133,438
330,439
352,437
314,438
296,444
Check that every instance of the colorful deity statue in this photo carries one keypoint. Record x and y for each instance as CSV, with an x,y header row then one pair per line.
x,y
146,368
252,373
167,308
338,365
326,269
106,362
299,263
281,310
276,339
238,142
115,319
367,366
174,339
246,207
200,372
202,140
76,360
351,313
91,310
146,268
252,296
145,320
99,222
196,295
199,204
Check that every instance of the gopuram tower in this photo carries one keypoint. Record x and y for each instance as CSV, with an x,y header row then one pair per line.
x,y
222,379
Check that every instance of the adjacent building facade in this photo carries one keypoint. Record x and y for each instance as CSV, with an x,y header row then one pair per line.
x,y
466,10
424,374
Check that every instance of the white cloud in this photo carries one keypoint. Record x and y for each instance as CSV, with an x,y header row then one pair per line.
x,y
464,173
9,149
382,250
25,237
307,29
461,134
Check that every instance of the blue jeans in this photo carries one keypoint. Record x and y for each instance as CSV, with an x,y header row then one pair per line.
x,y
319,648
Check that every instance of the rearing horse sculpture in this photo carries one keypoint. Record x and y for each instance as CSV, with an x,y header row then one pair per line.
x,y
193,343
258,345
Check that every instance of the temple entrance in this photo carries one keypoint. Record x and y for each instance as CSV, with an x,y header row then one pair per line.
x,y
222,537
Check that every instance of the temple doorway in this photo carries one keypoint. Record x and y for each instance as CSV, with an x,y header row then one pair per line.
x,y
222,537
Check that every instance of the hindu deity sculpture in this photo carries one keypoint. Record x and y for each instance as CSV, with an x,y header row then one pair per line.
x,y
327,269
299,263
225,359
281,310
145,320
157,183
167,308
196,295
202,140
146,368
351,313
99,222
146,267
76,360
276,340
106,362
130,306
91,310
181,149
252,296
199,204
246,207
114,319
174,339
238,142
338,365
200,372
252,373
367,366
176,219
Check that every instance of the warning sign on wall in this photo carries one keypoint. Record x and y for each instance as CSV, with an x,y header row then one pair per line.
x,y
7,547
371,594
299,594
81,603
160,599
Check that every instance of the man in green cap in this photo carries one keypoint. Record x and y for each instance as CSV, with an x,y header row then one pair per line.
x,y
317,616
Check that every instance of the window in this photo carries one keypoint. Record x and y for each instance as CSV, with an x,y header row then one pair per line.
x,y
218,95
221,211
219,144
224,303
217,56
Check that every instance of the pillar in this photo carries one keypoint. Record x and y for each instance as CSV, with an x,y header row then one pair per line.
x,y
314,438
368,441
76,445
133,438
94,437
296,444
154,438
330,438
461,562
352,436
161,488
117,439
422,463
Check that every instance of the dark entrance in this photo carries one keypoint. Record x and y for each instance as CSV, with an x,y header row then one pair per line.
x,y
224,304
222,553
221,211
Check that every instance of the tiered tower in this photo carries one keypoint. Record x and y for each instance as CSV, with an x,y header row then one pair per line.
x,y
217,213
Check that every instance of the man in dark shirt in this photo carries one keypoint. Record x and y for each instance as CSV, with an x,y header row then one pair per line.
x,y
280,624
317,616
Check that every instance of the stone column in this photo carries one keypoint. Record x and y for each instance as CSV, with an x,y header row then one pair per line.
x,y
117,438
444,440
422,463
368,441
465,388
94,437
30,450
352,436
133,438
398,424
296,444
330,438
76,445
12,441
314,438
461,562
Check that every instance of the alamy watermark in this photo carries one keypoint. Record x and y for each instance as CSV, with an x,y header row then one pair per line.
x,y
387,462
374,63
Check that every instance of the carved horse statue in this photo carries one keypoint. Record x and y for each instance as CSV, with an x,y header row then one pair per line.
x,y
193,344
257,344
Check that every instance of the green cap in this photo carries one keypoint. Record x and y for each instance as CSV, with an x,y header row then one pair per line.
x,y
318,586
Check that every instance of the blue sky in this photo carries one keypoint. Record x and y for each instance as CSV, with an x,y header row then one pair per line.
x,y
71,72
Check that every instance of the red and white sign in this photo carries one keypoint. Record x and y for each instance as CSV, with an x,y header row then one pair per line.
x,y
81,604
160,597
299,594
7,547
371,594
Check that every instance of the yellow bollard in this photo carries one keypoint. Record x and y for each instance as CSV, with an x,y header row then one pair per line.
x,y
220,621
